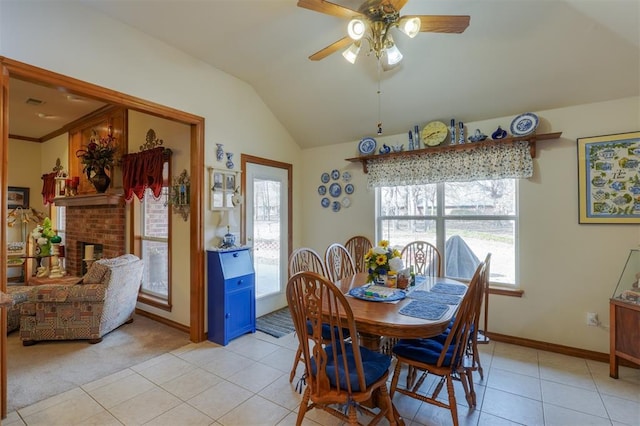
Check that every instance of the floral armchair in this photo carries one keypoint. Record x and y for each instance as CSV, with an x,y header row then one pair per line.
x,y
104,300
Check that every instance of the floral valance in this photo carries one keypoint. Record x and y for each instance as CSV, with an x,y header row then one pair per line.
x,y
482,163
142,170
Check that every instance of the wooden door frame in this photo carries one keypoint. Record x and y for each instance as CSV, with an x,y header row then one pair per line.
x,y
13,69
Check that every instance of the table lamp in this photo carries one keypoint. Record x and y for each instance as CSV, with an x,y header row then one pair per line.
x,y
228,220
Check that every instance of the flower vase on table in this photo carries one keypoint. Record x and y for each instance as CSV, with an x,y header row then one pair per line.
x,y
381,262
100,180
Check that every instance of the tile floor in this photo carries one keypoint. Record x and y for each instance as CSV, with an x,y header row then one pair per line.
x,y
246,383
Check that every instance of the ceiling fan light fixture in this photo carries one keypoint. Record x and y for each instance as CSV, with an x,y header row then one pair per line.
x,y
410,26
394,56
351,53
356,29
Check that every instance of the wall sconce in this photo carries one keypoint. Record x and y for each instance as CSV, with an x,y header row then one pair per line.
x,y
180,195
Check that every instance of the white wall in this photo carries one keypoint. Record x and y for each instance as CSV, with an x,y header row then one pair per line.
x,y
566,269
67,38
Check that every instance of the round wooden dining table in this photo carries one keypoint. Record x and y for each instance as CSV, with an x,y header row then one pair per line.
x,y
376,320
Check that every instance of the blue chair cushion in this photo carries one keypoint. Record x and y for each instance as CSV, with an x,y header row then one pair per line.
x,y
326,331
423,350
374,365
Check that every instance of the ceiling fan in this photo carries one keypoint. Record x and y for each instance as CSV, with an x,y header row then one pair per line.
x,y
373,21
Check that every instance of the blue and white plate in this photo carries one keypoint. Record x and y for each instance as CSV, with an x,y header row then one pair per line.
x,y
335,189
346,176
325,178
524,124
346,202
335,206
325,202
361,293
335,174
322,190
348,188
367,146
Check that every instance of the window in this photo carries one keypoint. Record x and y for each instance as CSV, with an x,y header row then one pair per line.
x,y
465,220
152,235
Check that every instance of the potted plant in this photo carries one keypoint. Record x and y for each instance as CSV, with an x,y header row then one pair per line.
x,y
97,157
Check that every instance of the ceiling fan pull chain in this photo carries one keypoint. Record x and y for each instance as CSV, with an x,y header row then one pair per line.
x,y
379,101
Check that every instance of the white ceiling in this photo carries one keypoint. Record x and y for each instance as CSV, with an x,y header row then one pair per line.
x,y
516,56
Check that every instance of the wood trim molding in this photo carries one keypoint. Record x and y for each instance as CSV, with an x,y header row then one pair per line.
x,y
503,291
552,347
163,320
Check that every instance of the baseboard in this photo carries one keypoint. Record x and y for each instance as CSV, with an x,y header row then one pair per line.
x,y
552,347
164,321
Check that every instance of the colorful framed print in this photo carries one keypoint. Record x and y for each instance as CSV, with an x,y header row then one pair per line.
x,y
609,178
17,196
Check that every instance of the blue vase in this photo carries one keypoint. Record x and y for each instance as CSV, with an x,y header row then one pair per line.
x,y
219,152
229,160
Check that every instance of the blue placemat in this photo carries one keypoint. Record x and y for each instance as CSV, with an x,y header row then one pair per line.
x,y
424,310
449,288
448,299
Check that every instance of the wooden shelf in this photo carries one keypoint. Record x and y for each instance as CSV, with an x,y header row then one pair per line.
x,y
532,139
89,200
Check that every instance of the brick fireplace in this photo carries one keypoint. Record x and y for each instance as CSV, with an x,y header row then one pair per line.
x,y
95,224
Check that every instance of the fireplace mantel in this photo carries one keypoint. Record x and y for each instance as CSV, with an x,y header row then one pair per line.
x,y
90,200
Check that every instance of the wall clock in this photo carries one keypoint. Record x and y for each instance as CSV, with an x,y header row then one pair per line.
x,y
434,133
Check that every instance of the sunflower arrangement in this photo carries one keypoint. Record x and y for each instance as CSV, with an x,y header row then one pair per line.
x,y
382,260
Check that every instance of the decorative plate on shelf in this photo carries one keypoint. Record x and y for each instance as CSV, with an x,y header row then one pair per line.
x,y
322,190
325,202
524,124
325,178
335,206
367,146
335,174
335,190
348,188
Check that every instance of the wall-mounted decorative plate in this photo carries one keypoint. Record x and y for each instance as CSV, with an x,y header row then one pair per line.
x,y
348,188
322,190
325,202
335,190
335,174
335,206
346,202
325,178
346,176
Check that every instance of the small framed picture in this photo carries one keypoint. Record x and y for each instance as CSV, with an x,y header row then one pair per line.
x,y
608,179
17,197
218,181
231,182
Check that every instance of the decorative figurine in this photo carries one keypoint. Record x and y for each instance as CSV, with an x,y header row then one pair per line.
x,y
219,152
452,131
385,149
499,133
416,137
410,141
461,133
478,136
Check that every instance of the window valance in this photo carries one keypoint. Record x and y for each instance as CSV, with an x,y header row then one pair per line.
x,y
143,170
483,163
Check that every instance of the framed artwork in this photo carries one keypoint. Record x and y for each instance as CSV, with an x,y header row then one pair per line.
x,y
17,197
609,178
222,185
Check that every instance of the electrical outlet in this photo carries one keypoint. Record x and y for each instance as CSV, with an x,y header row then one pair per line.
x,y
592,319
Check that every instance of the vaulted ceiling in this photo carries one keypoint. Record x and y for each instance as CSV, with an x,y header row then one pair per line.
x,y
516,56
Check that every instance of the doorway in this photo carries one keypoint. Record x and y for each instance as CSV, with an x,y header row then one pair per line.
x,y
267,219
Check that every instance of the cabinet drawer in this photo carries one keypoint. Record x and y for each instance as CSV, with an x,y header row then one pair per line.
x,y
236,263
238,283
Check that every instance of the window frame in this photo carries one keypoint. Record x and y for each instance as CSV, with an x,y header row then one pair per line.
x,y
440,219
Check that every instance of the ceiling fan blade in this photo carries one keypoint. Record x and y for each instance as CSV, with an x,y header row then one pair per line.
x,y
321,54
328,8
443,23
397,4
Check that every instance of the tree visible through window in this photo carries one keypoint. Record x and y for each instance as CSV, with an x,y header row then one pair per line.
x,y
465,220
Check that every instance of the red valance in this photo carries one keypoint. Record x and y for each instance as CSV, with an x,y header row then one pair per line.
x,y
142,170
48,187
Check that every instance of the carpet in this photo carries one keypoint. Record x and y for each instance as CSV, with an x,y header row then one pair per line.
x,y
49,368
277,323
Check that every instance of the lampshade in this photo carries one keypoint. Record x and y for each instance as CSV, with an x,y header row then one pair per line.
x,y
393,54
351,54
356,29
228,219
410,26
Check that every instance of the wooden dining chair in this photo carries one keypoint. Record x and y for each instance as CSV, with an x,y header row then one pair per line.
x,y
357,247
446,358
301,260
340,372
424,257
338,262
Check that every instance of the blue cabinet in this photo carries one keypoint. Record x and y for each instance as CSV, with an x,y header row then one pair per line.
x,y
231,307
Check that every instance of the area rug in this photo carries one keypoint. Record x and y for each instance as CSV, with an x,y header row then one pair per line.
x,y
277,323
45,369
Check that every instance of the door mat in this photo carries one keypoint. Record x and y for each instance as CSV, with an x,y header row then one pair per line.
x,y
277,323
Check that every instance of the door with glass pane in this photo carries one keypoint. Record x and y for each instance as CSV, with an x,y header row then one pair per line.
x,y
267,214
